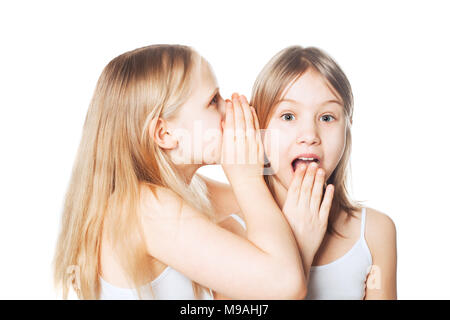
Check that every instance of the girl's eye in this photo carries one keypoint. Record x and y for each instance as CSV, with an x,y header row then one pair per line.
x,y
288,117
214,100
328,117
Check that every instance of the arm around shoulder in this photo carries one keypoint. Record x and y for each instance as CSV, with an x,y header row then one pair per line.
x,y
381,237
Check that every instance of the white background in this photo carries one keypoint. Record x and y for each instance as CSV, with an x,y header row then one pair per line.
x,y
395,53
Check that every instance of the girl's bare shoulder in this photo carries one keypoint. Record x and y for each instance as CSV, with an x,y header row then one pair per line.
x,y
380,231
157,200
378,224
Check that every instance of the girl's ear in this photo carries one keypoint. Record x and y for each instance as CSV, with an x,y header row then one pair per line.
x,y
161,134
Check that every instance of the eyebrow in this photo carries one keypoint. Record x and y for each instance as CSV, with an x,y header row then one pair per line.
x,y
320,105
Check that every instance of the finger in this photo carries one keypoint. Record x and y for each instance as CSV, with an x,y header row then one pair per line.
x,y
326,203
229,116
305,193
239,129
249,131
239,121
258,136
317,191
228,135
295,185
248,116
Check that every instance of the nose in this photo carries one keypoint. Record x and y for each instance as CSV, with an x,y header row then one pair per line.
x,y
222,108
307,134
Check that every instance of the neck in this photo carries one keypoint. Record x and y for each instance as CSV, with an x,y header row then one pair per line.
x,y
187,171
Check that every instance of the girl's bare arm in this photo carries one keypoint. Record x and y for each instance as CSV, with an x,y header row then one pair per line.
x,y
381,236
266,265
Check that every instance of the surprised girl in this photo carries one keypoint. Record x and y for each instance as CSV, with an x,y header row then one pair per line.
x,y
304,102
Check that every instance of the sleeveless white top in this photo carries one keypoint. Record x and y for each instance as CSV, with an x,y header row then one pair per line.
x,y
344,278
169,285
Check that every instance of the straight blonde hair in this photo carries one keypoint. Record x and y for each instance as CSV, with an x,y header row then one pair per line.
x,y
281,71
117,155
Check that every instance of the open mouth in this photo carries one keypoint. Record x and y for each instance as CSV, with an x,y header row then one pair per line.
x,y
297,162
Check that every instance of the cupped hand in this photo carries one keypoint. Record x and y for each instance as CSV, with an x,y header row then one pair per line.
x,y
242,148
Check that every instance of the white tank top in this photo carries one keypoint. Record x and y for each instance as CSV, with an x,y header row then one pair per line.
x,y
169,285
344,278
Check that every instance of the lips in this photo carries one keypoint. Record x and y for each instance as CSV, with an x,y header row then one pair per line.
x,y
306,158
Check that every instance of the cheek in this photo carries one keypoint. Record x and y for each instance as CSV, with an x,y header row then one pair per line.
x,y
199,138
213,127
334,147
212,120
212,136
277,143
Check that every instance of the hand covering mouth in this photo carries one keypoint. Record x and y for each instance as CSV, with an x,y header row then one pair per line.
x,y
306,160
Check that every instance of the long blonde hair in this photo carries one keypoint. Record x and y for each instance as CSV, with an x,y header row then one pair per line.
x,y
283,69
115,156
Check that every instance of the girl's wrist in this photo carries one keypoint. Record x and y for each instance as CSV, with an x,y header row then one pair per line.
x,y
243,175
307,255
238,183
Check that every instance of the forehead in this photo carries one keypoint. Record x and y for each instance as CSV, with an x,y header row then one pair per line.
x,y
206,74
203,84
310,88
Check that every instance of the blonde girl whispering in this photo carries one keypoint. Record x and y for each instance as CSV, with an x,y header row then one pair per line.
x,y
138,222
304,97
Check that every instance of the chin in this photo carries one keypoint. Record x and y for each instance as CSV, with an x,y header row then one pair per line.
x,y
213,159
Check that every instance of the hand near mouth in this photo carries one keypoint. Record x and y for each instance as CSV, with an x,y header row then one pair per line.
x,y
242,149
306,215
